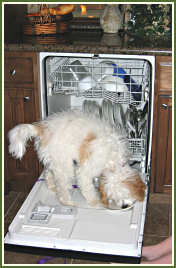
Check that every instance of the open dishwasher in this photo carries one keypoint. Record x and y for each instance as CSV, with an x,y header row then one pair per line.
x,y
120,90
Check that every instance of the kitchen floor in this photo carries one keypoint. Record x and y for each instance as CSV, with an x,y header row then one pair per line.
x,y
158,226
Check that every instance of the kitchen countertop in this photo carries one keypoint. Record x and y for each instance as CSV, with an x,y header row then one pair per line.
x,y
90,42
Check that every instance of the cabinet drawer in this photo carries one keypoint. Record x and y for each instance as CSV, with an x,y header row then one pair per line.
x,y
165,79
18,70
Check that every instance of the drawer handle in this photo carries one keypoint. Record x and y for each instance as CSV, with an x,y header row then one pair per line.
x,y
13,72
26,99
165,106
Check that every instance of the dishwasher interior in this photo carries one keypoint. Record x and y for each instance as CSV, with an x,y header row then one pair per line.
x,y
119,90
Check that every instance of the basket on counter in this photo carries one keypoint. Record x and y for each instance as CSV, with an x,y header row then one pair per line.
x,y
28,29
46,24
47,28
40,29
59,26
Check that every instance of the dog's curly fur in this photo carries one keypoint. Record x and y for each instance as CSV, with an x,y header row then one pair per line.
x,y
73,138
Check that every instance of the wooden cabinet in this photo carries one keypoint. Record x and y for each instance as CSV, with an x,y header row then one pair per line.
x,y
21,105
161,170
18,71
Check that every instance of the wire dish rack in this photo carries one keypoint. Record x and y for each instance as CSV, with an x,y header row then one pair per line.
x,y
123,82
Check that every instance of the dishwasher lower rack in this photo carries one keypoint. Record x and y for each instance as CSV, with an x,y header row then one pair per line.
x,y
43,223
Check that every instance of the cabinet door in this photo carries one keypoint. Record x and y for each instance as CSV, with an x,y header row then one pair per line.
x,y
19,107
161,165
18,71
163,159
21,69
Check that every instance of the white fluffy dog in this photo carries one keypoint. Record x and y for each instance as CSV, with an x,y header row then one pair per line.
x,y
73,140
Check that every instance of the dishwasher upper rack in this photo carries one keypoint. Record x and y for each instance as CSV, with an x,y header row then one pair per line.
x,y
119,80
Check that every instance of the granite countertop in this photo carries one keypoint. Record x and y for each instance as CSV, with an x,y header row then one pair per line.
x,y
89,42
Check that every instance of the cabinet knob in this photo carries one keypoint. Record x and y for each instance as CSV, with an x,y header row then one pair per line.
x,y
164,106
168,105
13,72
26,99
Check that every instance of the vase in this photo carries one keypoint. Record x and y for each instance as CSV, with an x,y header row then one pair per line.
x,y
111,40
111,19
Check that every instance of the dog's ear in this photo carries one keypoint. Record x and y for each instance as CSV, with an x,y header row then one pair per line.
x,y
136,187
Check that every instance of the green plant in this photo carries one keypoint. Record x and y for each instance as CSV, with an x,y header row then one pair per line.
x,y
152,20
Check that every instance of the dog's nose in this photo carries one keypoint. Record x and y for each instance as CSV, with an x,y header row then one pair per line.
x,y
124,206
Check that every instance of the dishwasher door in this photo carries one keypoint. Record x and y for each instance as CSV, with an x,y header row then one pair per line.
x,y
44,223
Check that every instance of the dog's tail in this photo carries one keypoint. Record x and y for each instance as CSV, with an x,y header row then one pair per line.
x,y
18,137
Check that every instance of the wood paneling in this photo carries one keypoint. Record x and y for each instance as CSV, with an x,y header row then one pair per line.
x,y
161,169
21,105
